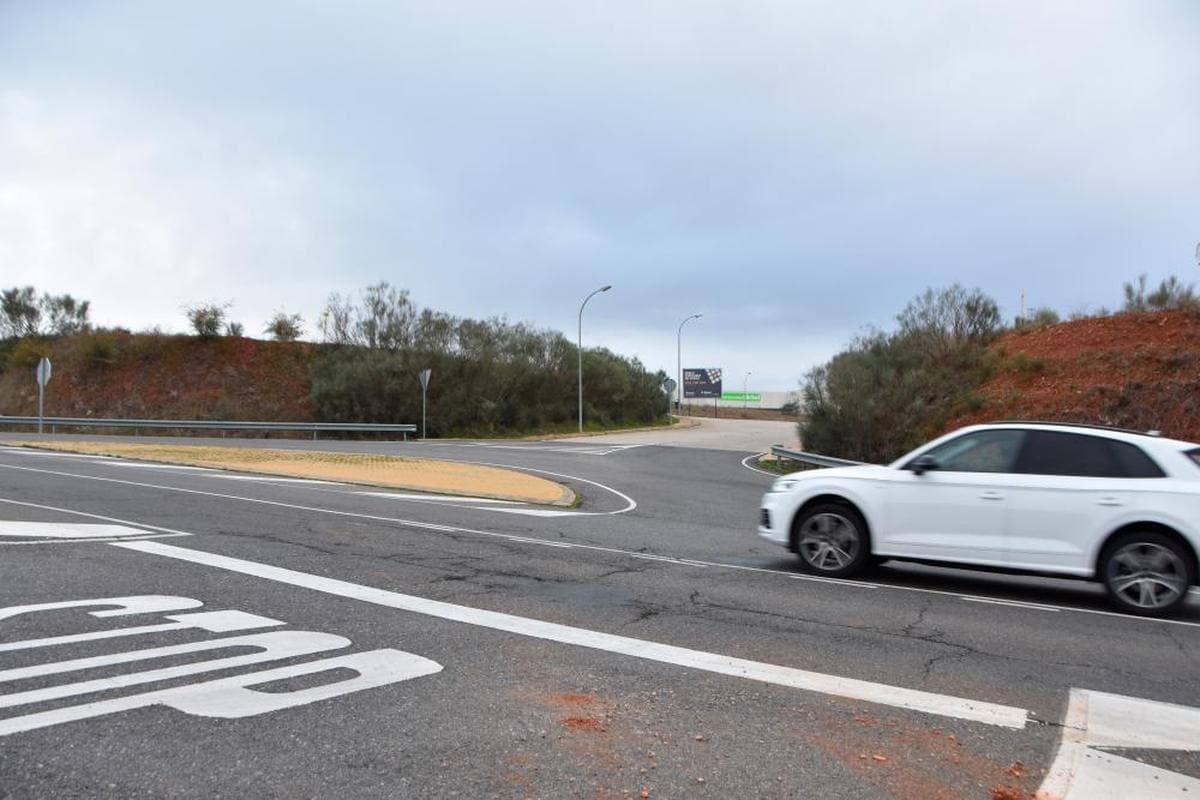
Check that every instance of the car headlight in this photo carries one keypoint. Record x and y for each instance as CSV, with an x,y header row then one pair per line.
x,y
784,484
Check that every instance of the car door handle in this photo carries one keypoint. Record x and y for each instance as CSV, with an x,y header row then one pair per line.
x,y
1110,501
992,496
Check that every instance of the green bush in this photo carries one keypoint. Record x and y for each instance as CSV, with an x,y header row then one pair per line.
x,y
488,377
889,392
27,352
1027,365
99,349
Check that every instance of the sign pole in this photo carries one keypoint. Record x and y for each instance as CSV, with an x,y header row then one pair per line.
x,y
43,377
424,378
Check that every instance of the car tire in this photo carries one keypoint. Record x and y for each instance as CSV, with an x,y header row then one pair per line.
x,y
832,540
1147,573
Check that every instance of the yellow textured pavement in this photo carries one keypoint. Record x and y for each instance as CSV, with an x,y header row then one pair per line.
x,y
393,472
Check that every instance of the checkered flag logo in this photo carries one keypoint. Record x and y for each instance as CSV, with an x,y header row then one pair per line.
x,y
714,375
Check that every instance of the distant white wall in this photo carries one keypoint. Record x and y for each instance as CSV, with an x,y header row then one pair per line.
x,y
772,400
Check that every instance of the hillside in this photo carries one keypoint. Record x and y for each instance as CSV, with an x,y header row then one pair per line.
x,y
1133,370
163,377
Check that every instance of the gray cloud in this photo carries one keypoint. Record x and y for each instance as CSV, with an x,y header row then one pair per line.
x,y
793,171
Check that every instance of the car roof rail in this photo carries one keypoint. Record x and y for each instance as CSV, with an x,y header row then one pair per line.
x,y
1085,425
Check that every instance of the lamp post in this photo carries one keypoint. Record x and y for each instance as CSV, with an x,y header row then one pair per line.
x,y
679,356
745,383
580,348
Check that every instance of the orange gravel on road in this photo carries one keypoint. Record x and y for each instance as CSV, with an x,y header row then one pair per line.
x,y
393,472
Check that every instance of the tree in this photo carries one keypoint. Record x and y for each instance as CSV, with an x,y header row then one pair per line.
x,y
67,316
19,312
336,322
887,393
386,319
206,319
285,327
1171,294
234,329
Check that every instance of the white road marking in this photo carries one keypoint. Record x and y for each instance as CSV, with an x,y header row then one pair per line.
x,y
125,606
232,698
835,581
895,696
272,646
541,512
29,451
1014,603
273,479
1098,719
435,498
630,503
145,528
757,469
66,530
116,462
844,582
211,621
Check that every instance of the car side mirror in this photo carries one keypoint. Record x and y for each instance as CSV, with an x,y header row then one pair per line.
x,y
922,464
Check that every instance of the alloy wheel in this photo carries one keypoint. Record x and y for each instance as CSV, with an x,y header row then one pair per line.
x,y
829,542
1147,575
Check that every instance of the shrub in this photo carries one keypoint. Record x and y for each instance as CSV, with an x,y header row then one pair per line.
x,y
1027,365
285,327
99,349
206,320
1171,294
26,353
888,393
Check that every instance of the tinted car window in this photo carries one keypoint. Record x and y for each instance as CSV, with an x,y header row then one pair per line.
x,y
1081,455
981,451
1133,462
1194,455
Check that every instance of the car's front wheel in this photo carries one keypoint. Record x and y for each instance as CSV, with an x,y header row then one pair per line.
x,y
832,540
1146,573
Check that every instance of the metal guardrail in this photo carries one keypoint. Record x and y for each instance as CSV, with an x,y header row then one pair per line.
x,y
212,424
816,459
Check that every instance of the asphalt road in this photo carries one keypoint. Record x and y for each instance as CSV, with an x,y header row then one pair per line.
x,y
646,644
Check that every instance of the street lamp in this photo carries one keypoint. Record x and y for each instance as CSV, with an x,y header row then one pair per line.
x,y
584,303
745,383
679,356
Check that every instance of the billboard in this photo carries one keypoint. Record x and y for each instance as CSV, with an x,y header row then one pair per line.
x,y
702,382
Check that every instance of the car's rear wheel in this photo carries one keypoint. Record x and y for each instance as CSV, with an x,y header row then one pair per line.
x,y
832,540
1147,573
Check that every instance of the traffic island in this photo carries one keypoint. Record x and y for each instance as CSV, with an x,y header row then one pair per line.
x,y
391,472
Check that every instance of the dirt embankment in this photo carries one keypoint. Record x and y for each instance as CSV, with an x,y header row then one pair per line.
x,y
112,374
1139,371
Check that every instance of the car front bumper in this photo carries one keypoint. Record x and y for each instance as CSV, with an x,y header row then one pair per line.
x,y
773,521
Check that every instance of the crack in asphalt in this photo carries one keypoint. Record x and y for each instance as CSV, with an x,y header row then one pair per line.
x,y
964,651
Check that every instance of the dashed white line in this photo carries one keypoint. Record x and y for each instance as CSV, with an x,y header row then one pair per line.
x,y
1014,603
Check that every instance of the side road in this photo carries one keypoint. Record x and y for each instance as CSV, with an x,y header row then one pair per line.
x,y
742,435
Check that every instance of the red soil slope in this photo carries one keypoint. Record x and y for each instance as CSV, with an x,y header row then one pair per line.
x,y
1139,371
165,377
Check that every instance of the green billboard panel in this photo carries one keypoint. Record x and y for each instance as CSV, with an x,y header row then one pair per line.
x,y
742,397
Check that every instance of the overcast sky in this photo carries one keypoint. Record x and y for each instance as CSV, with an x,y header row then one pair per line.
x,y
793,170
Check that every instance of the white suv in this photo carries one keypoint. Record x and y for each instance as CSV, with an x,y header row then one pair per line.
x,y
1097,503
